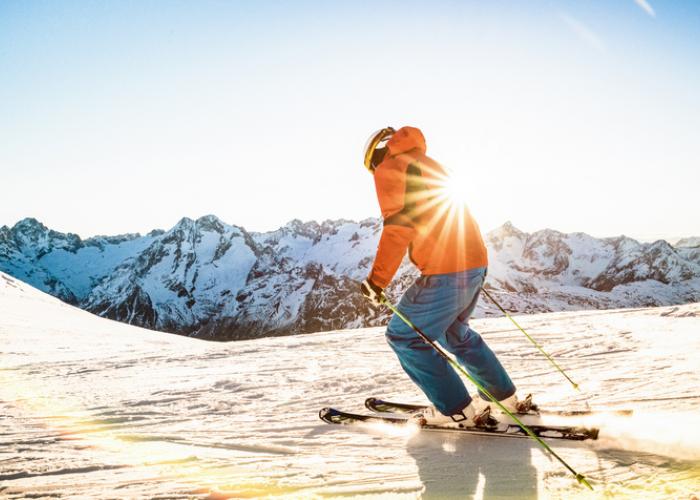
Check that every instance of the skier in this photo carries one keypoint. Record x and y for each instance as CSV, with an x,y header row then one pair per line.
x,y
444,242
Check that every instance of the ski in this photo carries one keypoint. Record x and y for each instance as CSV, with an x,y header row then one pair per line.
x,y
333,416
381,406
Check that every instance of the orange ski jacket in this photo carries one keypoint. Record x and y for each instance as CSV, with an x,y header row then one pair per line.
x,y
441,236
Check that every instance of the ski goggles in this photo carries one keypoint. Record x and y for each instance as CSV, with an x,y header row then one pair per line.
x,y
377,140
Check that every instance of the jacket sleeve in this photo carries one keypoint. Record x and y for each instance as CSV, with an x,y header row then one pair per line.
x,y
392,247
398,230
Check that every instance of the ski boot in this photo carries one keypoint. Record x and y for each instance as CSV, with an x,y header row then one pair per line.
x,y
520,407
468,417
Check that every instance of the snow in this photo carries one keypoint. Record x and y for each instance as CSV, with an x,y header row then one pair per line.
x,y
340,249
85,266
93,408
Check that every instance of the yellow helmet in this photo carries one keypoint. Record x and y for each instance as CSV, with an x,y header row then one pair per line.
x,y
376,141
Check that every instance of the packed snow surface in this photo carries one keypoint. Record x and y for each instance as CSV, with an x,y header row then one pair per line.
x,y
93,408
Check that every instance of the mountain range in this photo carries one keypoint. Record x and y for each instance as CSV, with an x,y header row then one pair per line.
x,y
212,280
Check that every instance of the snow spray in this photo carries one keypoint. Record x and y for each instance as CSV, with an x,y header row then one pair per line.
x,y
674,435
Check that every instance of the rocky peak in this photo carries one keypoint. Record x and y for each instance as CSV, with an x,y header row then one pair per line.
x,y
623,243
372,222
29,230
210,223
507,230
693,242
28,224
185,230
331,226
547,241
184,224
32,237
548,235
308,229
661,247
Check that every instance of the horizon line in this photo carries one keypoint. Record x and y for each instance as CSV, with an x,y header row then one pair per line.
x,y
341,219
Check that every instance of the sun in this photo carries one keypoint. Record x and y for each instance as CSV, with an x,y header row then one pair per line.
x,y
455,187
439,199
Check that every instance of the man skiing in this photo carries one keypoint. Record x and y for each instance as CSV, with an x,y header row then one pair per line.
x,y
444,242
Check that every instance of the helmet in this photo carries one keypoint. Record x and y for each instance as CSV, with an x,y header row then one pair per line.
x,y
376,141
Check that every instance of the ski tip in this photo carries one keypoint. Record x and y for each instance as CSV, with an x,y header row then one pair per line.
x,y
370,403
323,414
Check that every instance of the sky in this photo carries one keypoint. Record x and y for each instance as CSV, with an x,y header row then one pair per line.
x,y
125,116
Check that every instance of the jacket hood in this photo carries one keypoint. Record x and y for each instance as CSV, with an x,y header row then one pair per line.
x,y
406,139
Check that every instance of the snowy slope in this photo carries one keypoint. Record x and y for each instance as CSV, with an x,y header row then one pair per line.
x,y
91,408
213,280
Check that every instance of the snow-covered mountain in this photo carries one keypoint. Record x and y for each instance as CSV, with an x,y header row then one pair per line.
x,y
213,280
62,264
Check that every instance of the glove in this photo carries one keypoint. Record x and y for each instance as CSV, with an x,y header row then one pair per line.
x,y
373,293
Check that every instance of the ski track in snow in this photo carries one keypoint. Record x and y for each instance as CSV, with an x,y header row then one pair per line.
x,y
94,408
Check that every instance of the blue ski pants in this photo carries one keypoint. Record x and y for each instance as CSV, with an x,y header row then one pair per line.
x,y
440,305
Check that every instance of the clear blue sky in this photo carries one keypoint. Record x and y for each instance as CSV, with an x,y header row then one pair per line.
x,y
125,116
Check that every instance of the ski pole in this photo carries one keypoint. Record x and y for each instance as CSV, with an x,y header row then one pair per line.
x,y
579,477
554,363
